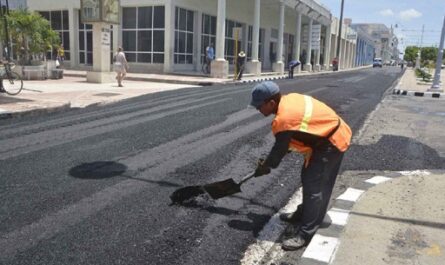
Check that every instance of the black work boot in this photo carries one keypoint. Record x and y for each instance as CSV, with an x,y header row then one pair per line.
x,y
294,217
294,243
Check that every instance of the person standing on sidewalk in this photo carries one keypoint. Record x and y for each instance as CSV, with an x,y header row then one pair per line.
x,y
308,126
120,66
240,61
210,56
292,65
60,56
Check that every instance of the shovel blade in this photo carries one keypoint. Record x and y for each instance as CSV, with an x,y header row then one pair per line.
x,y
186,193
223,188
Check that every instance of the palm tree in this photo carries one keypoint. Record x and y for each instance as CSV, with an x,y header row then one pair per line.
x,y
31,35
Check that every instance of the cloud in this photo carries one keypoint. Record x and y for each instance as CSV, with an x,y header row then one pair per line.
x,y
409,14
386,12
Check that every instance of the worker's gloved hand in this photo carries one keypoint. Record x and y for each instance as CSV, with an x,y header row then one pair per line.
x,y
261,169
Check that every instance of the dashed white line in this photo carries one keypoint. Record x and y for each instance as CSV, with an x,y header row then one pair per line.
x,y
270,233
338,216
321,248
351,194
377,180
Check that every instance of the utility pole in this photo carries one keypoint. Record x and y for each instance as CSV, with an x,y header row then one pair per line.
x,y
339,33
4,9
420,48
436,81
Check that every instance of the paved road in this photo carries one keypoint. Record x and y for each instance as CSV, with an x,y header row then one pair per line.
x,y
91,186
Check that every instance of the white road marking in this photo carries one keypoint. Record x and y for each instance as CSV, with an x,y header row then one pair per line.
x,y
377,180
338,216
321,248
351,194
415,172
271,232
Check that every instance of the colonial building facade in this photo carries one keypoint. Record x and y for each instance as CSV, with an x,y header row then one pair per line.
x,y
170,36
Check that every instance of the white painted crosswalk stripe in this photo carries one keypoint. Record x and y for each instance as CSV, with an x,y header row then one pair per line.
x,y
321,248
377,180
338,216
351,194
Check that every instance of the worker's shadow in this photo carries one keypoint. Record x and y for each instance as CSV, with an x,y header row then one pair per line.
x,y
255,223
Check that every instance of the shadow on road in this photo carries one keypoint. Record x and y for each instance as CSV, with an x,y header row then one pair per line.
x,y
98,170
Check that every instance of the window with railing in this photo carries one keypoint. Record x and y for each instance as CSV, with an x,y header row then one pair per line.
x,y
184,25
230,45
143,33
60,23
208,34
260,44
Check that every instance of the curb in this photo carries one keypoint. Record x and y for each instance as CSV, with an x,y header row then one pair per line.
x,y
418,94
9,115
323,246
262,79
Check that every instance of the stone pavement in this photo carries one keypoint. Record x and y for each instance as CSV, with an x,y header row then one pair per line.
x,y
410,85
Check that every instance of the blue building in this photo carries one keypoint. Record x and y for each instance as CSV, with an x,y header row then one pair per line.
x,y
365,48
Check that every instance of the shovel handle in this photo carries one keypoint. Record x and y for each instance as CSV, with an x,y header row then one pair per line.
x,y
247,177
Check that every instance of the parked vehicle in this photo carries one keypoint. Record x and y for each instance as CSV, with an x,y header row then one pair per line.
x,y
377,63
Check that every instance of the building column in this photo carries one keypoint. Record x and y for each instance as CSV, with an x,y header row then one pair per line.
x,y
278,66
101,55
220,67
73,21
308,66
197,42
169,36
343,54
254,66
298,41
327,48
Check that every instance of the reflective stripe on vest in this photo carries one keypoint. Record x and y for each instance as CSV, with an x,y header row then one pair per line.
x,y
308,107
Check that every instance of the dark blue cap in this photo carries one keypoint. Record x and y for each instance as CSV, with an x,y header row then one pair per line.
x,y
263,91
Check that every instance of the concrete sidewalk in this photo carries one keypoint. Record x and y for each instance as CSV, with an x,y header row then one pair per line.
x,y
400,221
410,85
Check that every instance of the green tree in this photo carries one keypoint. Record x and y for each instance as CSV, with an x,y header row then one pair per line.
x,y
410,53
429,54
30,34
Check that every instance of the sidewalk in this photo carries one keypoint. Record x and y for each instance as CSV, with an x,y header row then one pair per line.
x,y
410,85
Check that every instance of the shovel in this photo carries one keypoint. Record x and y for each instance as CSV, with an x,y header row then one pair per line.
x,y
216,190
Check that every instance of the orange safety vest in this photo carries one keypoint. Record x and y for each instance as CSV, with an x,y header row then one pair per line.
x,y
297,112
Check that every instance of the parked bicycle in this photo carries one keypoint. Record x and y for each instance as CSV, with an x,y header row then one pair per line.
x,y
11,83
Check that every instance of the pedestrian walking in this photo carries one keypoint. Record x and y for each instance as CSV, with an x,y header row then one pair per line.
x,y
120,66
210,55
308,126
292,65
60,56
335,64
240,61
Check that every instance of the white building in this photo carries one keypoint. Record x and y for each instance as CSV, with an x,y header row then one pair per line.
x,y
168,36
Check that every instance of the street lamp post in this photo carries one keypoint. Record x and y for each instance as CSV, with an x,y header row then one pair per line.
x,y
4,12
436,81
339,33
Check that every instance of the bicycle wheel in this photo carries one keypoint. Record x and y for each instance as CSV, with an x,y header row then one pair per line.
x,y
12,83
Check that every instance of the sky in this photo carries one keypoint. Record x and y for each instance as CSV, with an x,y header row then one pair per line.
x,y
406,16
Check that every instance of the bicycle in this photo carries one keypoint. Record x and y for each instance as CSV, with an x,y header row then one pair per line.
x,y
13,82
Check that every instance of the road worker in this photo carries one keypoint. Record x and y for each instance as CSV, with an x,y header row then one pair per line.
x,y
308,126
